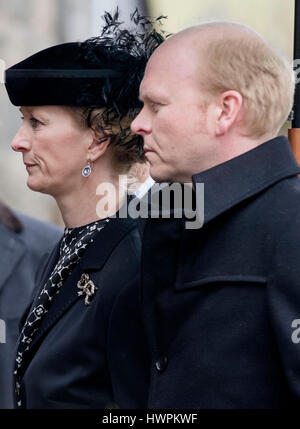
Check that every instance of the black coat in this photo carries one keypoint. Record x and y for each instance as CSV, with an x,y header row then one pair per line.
x,y
92,356
221,303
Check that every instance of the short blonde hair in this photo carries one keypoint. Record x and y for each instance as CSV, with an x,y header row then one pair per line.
x,y
239,59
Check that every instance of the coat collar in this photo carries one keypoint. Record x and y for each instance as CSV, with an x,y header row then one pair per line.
x,y
12,250
94,258
242,177
9,219
12,246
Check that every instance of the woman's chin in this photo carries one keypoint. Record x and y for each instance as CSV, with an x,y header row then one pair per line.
x,y
36,186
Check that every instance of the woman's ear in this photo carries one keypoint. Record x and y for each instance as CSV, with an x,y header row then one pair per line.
x,y
98,146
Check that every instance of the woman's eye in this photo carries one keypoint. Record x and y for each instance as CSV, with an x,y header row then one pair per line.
x,y
34,122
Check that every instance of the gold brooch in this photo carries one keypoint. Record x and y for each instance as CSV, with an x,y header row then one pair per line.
x,y
87,287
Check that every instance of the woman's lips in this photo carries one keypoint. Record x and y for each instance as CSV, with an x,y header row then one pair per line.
x,y
29,166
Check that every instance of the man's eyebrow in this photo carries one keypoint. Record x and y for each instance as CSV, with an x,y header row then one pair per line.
x,y
150,98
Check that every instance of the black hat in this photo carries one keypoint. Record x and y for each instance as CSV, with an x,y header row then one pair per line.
x,y
65,75
103,71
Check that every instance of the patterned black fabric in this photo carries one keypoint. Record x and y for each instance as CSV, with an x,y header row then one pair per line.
x,y
73,245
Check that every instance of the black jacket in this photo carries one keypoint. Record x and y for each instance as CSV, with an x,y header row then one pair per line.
x,y
93,356
221,303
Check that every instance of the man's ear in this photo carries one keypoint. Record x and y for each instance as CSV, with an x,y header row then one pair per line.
x,y
98,147
229,108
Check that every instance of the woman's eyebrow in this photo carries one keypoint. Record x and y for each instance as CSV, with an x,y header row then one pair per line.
x,y
24,110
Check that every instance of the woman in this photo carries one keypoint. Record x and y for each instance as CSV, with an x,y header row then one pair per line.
x,y
77,102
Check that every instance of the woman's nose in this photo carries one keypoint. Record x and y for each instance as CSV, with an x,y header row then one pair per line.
x,y
21,142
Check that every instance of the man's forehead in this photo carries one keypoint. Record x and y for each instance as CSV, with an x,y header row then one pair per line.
x,y
171,61
152,88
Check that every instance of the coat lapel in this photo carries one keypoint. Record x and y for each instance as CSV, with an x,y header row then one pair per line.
x,y
158,273
49,267
41,279
94,258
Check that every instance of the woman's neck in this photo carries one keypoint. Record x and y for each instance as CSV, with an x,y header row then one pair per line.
x,y
95,199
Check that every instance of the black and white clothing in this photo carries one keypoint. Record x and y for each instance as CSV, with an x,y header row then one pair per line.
x,y
84,356
72,247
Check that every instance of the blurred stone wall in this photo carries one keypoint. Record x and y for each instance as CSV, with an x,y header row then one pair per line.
x,y
274,19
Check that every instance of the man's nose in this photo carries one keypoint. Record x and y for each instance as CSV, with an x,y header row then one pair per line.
x,y
21,141
141,124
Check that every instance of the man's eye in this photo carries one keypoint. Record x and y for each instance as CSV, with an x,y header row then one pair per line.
x,y
155,107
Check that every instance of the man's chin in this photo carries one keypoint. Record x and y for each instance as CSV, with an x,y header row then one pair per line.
x,y
159,176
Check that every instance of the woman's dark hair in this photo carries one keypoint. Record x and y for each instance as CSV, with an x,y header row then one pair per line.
x,y
128,51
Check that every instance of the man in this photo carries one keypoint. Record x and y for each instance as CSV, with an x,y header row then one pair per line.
x,y
221,303
24,242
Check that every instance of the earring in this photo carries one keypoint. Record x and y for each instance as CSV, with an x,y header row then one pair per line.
x,y
86,171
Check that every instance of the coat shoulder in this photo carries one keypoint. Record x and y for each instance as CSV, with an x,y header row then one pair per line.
x,y
37,234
